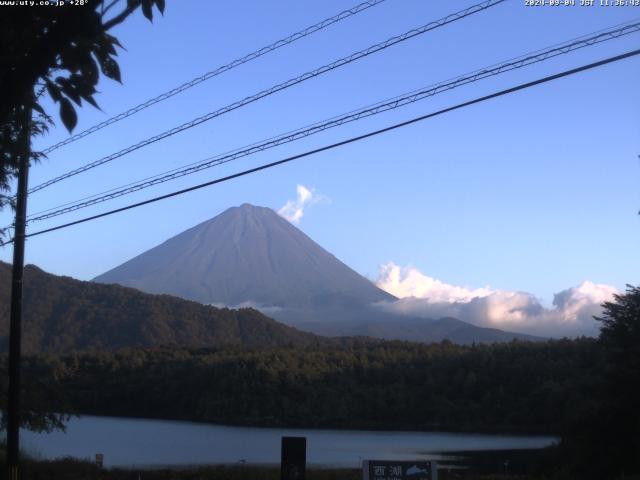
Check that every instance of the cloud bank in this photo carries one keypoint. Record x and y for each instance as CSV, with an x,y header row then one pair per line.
x,y
293,210
420,295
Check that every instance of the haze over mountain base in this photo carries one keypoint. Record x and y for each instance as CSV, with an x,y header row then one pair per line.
x,y
250,256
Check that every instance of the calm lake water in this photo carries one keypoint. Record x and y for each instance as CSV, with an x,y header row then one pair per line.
x,y
132,442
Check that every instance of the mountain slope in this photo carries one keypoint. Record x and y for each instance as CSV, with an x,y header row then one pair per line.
x,y
247,254
415,329
250,255
62,314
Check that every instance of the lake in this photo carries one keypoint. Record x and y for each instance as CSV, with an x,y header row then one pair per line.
x,y
129,442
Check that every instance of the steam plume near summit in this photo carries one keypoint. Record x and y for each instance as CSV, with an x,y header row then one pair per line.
x,y
293,210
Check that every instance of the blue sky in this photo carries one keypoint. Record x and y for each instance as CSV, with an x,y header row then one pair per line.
x,y
534,192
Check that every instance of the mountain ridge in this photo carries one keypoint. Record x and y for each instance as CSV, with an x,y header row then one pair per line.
x,y
270,259
62,314
249,255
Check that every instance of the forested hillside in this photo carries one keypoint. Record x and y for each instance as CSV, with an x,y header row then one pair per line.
x,y
62,314
504,387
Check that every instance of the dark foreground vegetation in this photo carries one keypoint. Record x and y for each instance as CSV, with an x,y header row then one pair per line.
x,y
585,390
531,465
528,387
62,314
69,469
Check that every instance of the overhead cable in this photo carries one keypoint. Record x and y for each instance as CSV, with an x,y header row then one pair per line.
x,y
277,88
507,91
218,71
400,101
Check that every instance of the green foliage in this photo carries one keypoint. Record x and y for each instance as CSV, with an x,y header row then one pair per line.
x,y
255,371
73,469
620,331
603,441
12,135
62,315
42,402
518,386
62,49
58,51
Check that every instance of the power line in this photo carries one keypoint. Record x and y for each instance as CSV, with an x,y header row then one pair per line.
x,y
281,86
218,71
507,91
589,39
518,62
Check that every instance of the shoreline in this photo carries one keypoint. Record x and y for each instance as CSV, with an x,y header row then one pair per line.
x,y
471,430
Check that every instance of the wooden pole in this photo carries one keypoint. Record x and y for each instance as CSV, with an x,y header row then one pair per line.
x,y
15,324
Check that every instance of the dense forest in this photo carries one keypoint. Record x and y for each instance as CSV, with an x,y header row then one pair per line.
x,y
62,314
529,387
586,390
580,389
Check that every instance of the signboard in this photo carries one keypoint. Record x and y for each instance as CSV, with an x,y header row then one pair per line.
x,y
399,470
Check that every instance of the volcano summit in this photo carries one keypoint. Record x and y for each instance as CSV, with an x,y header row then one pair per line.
x,y
250,256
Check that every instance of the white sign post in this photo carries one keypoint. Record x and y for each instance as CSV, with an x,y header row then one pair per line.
x,y
399,470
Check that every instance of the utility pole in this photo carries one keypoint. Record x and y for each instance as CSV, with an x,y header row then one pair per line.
x,y
15,325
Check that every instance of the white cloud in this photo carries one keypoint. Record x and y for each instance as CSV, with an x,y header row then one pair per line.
x,y
573,302
410,282
419,295
293,210
266,309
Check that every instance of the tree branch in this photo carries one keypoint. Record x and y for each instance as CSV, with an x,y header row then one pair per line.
x,y
122,16
108,7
